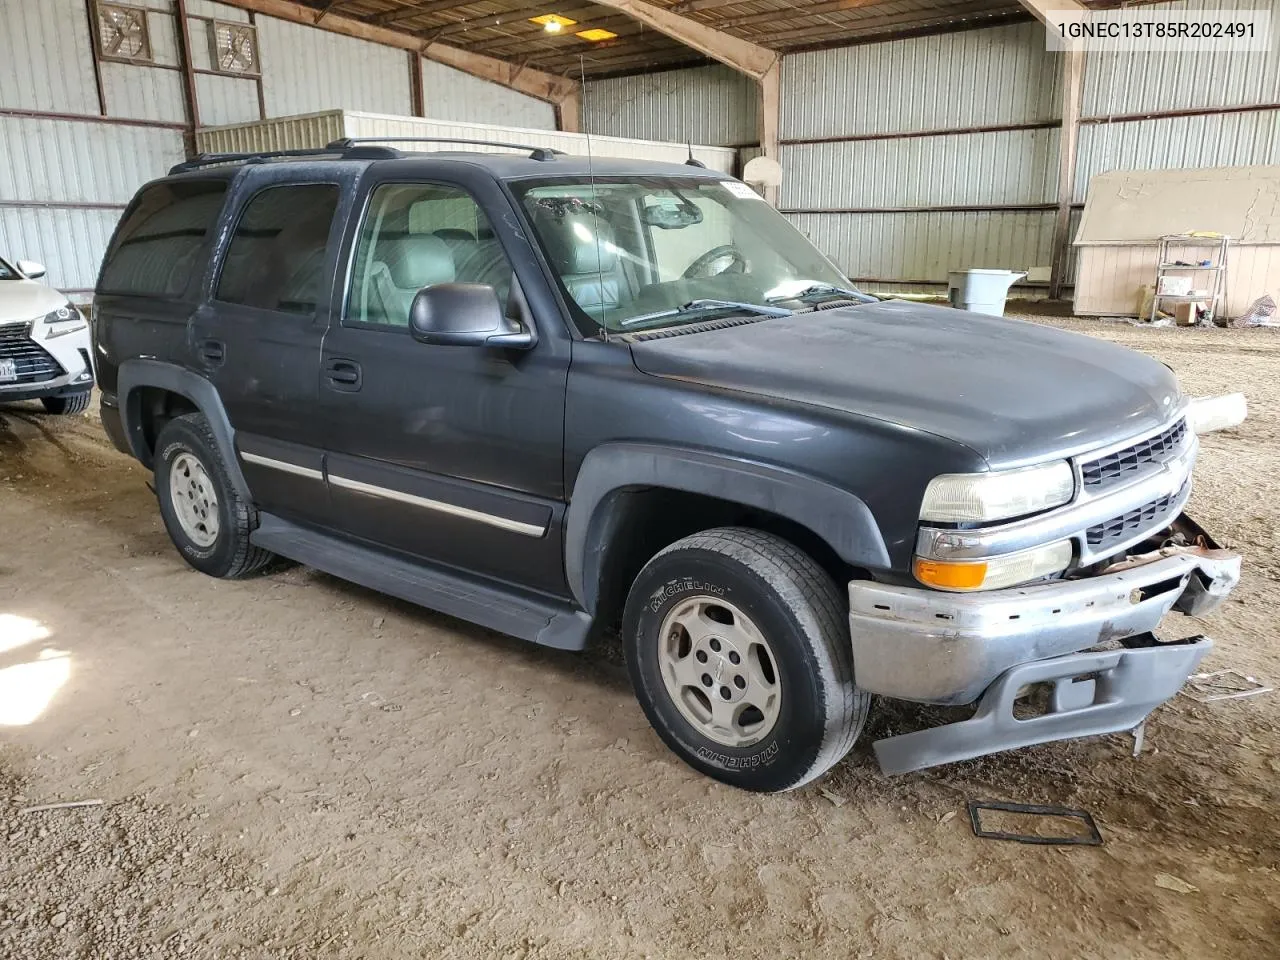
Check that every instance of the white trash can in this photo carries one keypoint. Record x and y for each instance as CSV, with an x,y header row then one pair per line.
x,y
981,291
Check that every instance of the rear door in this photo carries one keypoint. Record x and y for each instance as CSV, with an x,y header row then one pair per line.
x,y
452,454
258,333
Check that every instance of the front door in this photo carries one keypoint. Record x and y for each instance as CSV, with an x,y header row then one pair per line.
x,y
258,336
451,454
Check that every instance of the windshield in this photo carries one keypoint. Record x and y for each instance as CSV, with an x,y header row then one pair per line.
x,y
7,272
637,253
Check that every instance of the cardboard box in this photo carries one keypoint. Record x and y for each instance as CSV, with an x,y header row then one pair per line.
x,y
1187,314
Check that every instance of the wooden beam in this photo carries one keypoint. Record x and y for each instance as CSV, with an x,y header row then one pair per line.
x,y
192,101
742,55
1043,10
417,102
569,113
392,17
770,118
1072,96
534,83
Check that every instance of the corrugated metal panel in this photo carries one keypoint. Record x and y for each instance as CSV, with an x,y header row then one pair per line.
x,y
226,100
143,93
218,11
1111,277
286,133
1009,167
305,69
1127,83
1224,140
75,162
713,105
450,94
925,246
315,130
974,78
369,125
199,31
164,38
70,243
47,57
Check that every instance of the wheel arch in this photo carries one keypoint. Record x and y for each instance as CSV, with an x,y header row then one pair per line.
x,y
614,476
133,380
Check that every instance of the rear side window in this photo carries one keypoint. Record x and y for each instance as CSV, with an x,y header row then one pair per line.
x,y
162,239
277,254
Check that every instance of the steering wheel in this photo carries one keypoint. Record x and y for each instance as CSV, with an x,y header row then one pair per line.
x,y
699,268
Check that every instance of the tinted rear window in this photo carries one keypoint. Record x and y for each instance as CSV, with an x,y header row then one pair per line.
x,y
161,241
276,258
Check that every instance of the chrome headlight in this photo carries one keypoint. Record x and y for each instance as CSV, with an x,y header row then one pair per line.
x,y
999,495
64,320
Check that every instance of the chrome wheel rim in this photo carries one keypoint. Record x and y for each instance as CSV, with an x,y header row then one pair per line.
x,y
720,671
195,502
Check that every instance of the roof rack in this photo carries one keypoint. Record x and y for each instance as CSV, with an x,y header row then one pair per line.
x,y
257,156
535,153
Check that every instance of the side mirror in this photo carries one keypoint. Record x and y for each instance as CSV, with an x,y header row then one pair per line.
x,y
465,315
30,269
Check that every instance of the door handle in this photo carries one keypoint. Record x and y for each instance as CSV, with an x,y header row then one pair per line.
x,y
213,352
343,374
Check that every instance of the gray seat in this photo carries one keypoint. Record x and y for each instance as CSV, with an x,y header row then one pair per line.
x,y
581,248
402,266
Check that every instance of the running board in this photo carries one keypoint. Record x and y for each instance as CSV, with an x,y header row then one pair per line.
x,y
519,614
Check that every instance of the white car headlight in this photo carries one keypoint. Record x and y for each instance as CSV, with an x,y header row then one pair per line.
x,y
64,320
1000,495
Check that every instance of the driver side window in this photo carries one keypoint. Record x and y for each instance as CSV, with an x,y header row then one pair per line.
x,y
674,251
414,236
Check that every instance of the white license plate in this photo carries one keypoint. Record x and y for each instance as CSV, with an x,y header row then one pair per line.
x,y
8,371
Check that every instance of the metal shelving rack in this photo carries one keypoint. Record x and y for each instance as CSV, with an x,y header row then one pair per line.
x,y
1217,268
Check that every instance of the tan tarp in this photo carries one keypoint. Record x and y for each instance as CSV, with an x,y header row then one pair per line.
x,y
1139,206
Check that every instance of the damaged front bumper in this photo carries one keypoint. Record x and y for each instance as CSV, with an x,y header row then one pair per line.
x,y
947,648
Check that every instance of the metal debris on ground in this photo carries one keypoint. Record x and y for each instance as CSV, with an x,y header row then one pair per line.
x,y
61,806
1091,839
1139,737
1167,881
1223,685
835,798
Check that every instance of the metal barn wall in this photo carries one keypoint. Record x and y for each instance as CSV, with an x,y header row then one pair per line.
x,y
305,69
711,104
1171,111
219,98
907,159
319,129
70,161
450,94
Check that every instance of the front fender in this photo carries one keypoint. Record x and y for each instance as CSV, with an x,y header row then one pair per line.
x,y
839,517
135,374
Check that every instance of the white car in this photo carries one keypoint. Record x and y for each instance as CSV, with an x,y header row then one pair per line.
x,y
44,342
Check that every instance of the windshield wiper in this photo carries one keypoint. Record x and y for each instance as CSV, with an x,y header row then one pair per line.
x,y
827,289
694,306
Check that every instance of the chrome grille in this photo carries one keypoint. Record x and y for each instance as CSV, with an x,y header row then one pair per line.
x,y
1106,470
1122,528
33,363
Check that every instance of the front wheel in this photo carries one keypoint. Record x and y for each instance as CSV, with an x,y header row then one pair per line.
x,y
67,406
739,653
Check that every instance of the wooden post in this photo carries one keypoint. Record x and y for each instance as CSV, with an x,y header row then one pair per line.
x,y
569,113
1072,94
770,118
189,94
417,95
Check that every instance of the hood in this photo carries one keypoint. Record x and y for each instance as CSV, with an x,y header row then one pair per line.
x,y
27,300
1012,391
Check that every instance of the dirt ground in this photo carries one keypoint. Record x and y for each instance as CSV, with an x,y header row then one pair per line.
x,y
294,767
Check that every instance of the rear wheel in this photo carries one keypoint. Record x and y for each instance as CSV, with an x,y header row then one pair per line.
x,y
739,653
72,405
207,520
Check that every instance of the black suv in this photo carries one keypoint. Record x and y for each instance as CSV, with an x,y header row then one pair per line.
x,y
549,395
